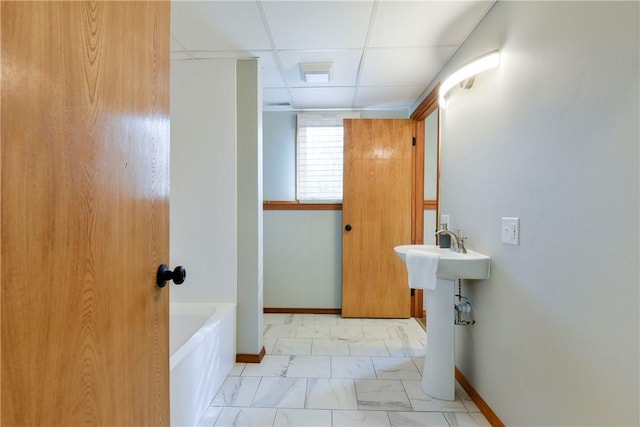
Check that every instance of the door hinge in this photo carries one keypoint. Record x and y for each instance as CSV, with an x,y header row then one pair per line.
x,y
413,141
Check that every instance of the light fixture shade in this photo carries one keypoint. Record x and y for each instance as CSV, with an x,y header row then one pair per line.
x,y
478,65
316,72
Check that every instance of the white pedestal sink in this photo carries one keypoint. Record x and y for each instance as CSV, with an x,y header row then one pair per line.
x,y
438,378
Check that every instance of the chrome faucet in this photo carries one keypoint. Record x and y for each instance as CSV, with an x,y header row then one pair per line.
x,y
461,240
457,240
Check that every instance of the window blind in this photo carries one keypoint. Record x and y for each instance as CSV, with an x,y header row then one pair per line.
x,y
319,157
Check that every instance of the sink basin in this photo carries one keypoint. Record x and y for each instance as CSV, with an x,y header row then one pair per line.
x,y
453,265
438,373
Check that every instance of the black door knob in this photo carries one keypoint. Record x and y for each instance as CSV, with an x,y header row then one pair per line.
x,y
177,275
347,227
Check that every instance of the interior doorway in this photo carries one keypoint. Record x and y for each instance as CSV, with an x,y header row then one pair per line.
x,y
377,204
426,182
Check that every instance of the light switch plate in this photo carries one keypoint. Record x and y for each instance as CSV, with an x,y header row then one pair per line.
x,y
511,230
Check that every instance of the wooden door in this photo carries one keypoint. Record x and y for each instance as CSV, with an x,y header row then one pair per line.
x,y
377,209
84,213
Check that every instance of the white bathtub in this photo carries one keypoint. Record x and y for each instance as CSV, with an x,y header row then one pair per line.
x,y
203,351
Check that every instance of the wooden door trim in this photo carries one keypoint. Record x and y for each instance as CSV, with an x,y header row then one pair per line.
x,y
427,105
417,215
419,205
430,205
294,205
0,219
422,111
417,210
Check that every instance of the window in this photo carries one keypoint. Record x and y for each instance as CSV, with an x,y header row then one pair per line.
x,y
319,155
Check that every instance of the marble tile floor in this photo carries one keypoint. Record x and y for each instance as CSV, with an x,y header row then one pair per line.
x,y
324,370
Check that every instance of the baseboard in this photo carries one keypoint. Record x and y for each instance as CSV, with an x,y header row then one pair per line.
x,y
286,310
303,310
251,358
479,401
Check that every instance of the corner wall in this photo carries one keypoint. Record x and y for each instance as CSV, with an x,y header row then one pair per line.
x,y
250,261
203,179
551,137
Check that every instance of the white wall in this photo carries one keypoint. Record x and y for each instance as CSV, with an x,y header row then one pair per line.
x,y
302,249
430,225
216,184
250,259
551,137
203,179
303,259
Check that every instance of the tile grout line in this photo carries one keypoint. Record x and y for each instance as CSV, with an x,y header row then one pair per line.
x,y
407,351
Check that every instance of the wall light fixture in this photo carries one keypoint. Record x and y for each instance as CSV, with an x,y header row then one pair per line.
x,y
466,74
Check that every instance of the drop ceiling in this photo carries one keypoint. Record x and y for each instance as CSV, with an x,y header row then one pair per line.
x,y
384,52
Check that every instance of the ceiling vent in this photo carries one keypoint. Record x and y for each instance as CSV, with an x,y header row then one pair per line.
x,y
277,105
316,72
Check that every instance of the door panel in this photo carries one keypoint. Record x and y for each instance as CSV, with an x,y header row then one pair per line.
x,y
84,206
377,206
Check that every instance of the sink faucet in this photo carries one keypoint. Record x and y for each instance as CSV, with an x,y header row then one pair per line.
x,y
461,240
457,240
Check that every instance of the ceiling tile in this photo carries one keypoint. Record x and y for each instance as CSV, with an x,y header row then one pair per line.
x,y
270,73
318,24
343,73
409,43
325,97
387,98
404,66
219,54
219,25
271,76
425,23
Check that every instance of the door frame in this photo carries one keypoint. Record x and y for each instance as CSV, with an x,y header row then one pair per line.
x,y
419,205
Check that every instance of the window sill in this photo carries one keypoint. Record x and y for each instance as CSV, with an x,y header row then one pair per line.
x,y
294,205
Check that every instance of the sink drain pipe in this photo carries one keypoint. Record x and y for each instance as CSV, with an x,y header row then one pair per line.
x,y
463,309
